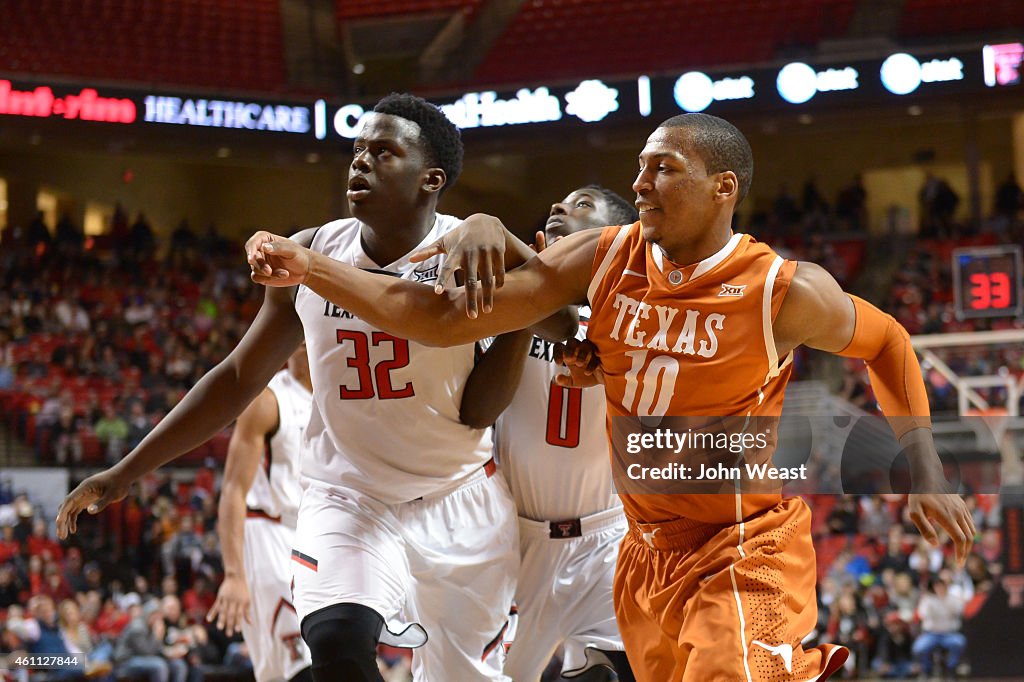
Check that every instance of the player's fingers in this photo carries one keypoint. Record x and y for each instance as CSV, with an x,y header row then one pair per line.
x,y
469,268
285,248
967,526
956,534
599,374
435,249
541,241
924,525
559,353
486,282
498,268
565,380
253,252
445,273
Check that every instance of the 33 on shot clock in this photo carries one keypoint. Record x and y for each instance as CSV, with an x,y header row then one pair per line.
x,y
987,281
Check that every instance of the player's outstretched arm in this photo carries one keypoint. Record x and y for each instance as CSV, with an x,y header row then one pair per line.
x,y
819,314
213,403
245,451
554,279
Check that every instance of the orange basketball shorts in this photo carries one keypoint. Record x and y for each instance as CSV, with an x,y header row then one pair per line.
x,y
700,603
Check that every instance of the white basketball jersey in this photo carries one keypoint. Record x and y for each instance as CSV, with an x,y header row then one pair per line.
x,y
385,417
551,442
276,489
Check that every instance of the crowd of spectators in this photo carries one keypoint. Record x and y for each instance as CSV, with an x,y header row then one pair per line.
x,y
137,606
97,343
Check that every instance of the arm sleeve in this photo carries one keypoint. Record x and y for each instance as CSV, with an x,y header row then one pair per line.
x,y
895,374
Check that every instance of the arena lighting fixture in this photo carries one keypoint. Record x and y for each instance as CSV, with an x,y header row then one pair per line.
x,y
694,91
902,73
797,82
591,101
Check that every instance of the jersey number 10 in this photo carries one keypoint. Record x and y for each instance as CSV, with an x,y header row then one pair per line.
x,y
375,381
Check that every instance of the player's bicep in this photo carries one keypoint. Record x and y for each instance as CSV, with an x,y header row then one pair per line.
x,y
265,347
245,449
816,312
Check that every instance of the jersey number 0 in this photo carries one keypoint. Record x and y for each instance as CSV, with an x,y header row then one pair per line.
x,y
564,407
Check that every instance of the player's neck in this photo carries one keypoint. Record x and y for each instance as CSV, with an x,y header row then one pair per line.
x,y
705,245
387,238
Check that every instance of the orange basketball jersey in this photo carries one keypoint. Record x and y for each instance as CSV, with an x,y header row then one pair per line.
x,y
689,341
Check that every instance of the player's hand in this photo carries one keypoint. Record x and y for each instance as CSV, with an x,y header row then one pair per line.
x,y
580,358
277,261
949,512
477,248
92,495
231,606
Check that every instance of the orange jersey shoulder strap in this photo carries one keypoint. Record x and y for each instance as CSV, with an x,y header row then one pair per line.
x,y
611,244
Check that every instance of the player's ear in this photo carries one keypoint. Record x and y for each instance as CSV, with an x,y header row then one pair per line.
x,y
434,180
728,186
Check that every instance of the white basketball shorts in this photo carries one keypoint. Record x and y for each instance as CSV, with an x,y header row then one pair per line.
x,y
439,570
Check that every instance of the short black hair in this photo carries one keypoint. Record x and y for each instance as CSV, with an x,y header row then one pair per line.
x,y
620,210
722,146
440,137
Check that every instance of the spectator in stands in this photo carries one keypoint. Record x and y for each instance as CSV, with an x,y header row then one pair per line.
x,y
895,557
875,520
79,640
67,436
843,518
73,574
7,366
848,626
10,589
140,649
903,596
54,584
784,207
138,424
925,560
979,573
69,237
112,432
46,637
851,205
894,656
9,545
1009,198
40,544
38,232
939,612
140,239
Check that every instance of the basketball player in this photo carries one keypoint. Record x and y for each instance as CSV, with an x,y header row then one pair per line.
x,y
690,319
259,502
401,522
551,447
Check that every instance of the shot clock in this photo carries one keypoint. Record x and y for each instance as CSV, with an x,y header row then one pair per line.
x,y
987,281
